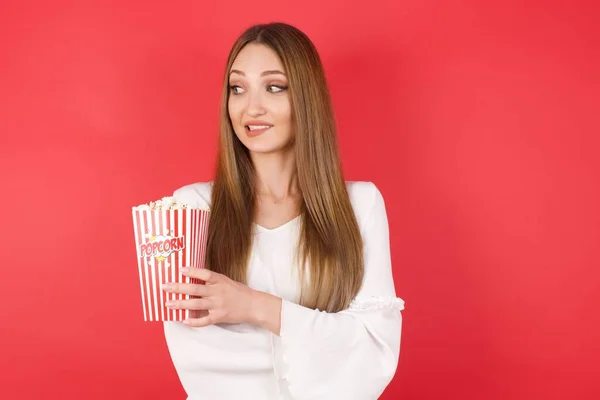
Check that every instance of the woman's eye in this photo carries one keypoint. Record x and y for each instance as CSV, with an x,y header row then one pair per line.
x,y
278,88
233,89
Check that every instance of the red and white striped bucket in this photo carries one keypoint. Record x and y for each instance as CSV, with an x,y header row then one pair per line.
x,y
166,240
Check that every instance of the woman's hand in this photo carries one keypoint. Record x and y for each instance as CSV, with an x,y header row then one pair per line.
x,y
224,300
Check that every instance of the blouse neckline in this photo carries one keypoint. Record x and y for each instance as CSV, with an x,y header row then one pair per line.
x,y
261,228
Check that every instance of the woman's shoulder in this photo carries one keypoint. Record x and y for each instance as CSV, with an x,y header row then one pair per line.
x,y
361,191
195,194
365,197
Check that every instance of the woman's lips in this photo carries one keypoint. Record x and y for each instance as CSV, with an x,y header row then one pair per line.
x,y
256,132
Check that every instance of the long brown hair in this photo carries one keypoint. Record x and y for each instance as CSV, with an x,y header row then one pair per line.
x,y
330,243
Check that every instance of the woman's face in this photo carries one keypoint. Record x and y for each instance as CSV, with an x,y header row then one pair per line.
x,y
259,104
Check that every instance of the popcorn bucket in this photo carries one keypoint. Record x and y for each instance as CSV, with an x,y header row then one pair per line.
x,y
168,236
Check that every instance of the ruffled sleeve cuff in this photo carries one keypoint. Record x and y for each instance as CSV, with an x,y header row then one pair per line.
x,y
375,303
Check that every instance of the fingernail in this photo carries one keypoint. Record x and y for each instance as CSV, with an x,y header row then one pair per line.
x,y
166,286
184,270
170,304
186,322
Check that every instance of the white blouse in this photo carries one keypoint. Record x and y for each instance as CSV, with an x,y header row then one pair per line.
x,y
348,355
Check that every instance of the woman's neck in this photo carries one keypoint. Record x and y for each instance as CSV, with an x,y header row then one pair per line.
x,y
276,176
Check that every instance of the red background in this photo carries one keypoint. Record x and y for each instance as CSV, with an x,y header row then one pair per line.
x,y
478,122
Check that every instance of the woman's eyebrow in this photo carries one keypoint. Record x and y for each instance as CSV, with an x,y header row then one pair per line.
x,y
264,73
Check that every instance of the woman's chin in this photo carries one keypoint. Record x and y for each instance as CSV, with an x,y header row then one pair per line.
x,y
255,148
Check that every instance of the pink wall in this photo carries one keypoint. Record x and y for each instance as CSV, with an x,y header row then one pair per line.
x,y
479,123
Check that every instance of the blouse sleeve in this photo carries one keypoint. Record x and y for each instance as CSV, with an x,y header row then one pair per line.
x,y
352,354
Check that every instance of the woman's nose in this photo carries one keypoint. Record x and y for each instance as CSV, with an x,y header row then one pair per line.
x,y
255,104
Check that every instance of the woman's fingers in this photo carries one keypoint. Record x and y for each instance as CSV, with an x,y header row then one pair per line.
x,y
198,313
199,322
201,273
193,289
190,304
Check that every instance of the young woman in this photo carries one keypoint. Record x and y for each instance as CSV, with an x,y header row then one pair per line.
x,y
299,299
